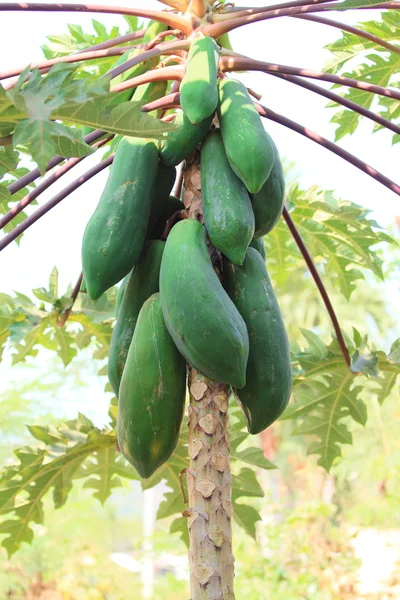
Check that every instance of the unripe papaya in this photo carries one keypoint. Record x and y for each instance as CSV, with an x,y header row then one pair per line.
x,y
143,282
203,322
115,233
199,89
152,30
258,244
269,201
247,145
120,294
148,92
158,220
269,376
227,211
184,140
151,402
164,183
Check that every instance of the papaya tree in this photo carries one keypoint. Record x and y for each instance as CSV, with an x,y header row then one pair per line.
x,y
193,210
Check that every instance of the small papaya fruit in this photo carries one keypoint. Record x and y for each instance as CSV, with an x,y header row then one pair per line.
x,y
159,218
227,211
115,233
203,322
269,201
164,183
143,282
269,375
258,244
199,89
151,402
247,145
120,294
184,140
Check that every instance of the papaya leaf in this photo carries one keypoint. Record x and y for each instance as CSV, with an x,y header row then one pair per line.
x,y
246,517
326,392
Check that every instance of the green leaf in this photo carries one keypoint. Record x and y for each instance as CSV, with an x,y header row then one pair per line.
x,y
246,517
179,525
53,282
254,457
245,484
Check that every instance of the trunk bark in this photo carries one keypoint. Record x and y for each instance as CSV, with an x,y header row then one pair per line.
x,y
208,477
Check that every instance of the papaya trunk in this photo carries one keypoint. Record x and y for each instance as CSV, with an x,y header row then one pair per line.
x,y
208,477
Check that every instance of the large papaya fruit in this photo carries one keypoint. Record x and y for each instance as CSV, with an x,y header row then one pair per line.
x,y
227,211
162,188
258,244
143,282
199,89
248,146
203,322
114,235
184,140
269,375
152,395
268,202
158,220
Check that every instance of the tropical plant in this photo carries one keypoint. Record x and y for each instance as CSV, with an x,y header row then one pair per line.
x,y
65,108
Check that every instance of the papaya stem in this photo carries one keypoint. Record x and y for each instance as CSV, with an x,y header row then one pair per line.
x,y
31,196
169,101
350,29
163,74
71,58
74,296
325,143
319,283
218,28
40,212
239,63
238,11
340,100
181,474
171,19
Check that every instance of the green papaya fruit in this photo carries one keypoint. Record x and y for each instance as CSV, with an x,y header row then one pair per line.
x,y
258,244
148,92
227,211
184,140
199,89
247,144
120,294
151,402
269,375
203,322
83,289
164,183
143,282
115,233
158,219
225,42
269,201
152,30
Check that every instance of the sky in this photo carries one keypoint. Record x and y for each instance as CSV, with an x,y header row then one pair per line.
x,y
56,238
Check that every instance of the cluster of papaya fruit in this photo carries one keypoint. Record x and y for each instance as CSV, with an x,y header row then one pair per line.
x,y
172,307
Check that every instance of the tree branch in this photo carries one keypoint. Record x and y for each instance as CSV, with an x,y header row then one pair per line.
x,y
171,19
164,48
163,74
340,100
239,63
217,29
54,201
71,58
350,29
70,164
322,141
318,281
14,187
166,102
74,296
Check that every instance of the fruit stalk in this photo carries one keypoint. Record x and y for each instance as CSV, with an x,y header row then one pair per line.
x,y
208,477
